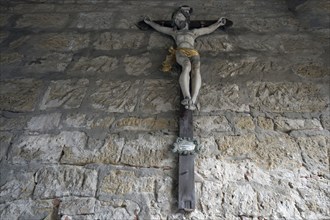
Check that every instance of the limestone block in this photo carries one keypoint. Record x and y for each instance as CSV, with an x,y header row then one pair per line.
x,y
5,139
293,43
244,124
325,119
270,24
114,209
33,8
159,96
115,96
115,41
237,147
94,20
48,20
253,41
225,68
3,35
148,150
164,192
53,62
19,95
108,153
276,150
245,189
67,94
65,181
217,97
287,97
16,185
16,123
314,151
26,209
287,124
209,147
76,120
77,206
265,123
102,122
44,122
124,182
158,40
137,65
145,124
20,43
4,19
206,124
91,66
65,42
311,70
145,150
216,43
7,58
44,148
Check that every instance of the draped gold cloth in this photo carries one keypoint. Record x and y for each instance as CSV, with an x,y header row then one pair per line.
x,y
170,58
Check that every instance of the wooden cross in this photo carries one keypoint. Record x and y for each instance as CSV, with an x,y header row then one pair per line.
x,y
186,146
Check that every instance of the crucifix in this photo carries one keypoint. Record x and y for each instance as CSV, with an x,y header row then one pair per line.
x,y
184,32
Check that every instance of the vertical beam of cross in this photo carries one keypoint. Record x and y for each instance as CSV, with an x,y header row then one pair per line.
x,y
186,186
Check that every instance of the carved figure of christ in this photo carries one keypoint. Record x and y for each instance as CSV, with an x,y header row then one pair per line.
x,y
185,54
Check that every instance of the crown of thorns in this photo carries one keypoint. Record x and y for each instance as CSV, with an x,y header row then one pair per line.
x,y
185,10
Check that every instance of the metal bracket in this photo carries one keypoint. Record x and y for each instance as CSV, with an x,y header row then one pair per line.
x,y
186,146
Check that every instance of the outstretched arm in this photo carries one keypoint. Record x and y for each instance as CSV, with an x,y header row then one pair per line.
x,y
208,30
157,27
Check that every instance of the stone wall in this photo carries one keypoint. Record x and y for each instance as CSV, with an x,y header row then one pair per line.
x,y
88,119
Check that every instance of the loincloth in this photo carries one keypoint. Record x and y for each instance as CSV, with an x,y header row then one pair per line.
x,y
170,58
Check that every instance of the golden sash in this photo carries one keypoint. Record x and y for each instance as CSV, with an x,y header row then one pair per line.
x,y
170,58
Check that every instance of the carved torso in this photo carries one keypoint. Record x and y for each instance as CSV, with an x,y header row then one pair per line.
x,y
184,39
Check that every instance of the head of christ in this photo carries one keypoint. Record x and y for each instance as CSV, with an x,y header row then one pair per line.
x,y
181,17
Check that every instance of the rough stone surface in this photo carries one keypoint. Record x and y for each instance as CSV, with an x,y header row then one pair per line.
x,y
5,139
62,42
148,151
115,41
159,96
64,93
88,120
287,97
311,70
115,96
4,19
158,40
94,20
42,21
65,181
44,148
54,62
19,95
101,64
123,182
217,43
44,122
145,124
10,58
16,185
3,36
77,206
137,65
143,151
206,124
16,123
221,97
